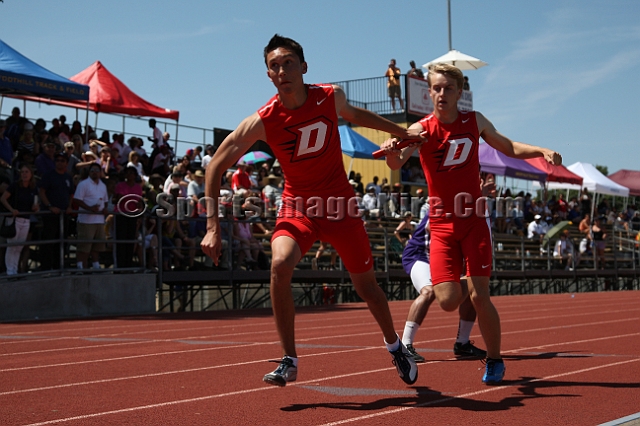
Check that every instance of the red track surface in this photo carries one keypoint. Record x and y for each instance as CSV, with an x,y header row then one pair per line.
x,y
570,361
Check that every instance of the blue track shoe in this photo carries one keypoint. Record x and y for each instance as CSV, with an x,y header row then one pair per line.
x,y
494,371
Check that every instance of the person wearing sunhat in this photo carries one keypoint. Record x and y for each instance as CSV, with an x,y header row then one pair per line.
x,y
535,229
196,186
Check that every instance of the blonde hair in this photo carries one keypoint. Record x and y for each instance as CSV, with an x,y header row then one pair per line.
x,y
133,154
447,70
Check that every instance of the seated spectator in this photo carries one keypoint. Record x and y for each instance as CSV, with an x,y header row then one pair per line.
x,y
564,251
176,178
535,230
404,229
585,225
250,247
370,202
621,227
185,166
196,186
208,151
20,199
272,195
516,218
134,161
574,213
561,207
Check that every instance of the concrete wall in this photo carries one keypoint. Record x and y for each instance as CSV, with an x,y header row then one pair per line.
x,y
78,296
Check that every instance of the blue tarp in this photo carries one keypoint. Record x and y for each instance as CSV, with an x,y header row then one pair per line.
x,y
21,76
355,145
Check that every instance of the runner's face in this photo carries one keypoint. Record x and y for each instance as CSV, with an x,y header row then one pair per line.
x,y
285,70
444,92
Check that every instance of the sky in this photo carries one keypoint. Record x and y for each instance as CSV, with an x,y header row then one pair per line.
x,y
563,74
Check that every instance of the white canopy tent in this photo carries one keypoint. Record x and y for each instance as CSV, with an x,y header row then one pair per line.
x,y
593,180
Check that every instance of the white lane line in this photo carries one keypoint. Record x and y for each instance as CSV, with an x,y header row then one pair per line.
x,y
190,370
353,419
76,363
471,394
299,330
624,420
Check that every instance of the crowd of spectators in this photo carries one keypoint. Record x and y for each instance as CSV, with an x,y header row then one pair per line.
x,y
65,179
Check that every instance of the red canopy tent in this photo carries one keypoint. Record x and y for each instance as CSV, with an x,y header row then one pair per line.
x,y
108,94
556,173
628,178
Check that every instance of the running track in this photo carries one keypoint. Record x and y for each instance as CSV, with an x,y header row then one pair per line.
x,y
570,361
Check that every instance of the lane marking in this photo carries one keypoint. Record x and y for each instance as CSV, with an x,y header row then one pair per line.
x,y
190,370
76,363
353,419
272,331
471,394
623,420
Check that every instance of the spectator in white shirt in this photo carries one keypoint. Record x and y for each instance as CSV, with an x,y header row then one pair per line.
x,y
535,229
92,198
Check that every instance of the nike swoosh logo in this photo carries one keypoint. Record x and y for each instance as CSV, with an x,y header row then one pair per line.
x,y
464,121
485,266
321,101
369,259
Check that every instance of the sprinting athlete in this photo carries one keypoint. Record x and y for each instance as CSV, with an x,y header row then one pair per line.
x,y
415,260
300,124
460,229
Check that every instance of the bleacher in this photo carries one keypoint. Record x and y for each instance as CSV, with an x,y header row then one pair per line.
x,y
520,266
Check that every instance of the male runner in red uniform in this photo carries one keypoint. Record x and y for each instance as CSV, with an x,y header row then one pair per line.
x,y
300,124
458,231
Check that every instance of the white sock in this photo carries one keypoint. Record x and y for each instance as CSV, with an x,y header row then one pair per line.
x,y
409,334
295,360
96,265
393,346
79,265
464,331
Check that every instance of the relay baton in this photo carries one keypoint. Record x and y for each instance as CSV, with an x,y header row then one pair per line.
x,y
400,145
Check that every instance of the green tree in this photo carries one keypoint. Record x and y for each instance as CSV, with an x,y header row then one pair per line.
x,y
603,169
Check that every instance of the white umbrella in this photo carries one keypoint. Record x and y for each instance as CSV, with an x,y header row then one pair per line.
x,y
458,59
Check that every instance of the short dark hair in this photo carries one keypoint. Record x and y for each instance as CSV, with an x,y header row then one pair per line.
x,y
279,41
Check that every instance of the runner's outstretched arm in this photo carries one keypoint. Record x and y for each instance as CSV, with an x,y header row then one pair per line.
x,y
511,148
